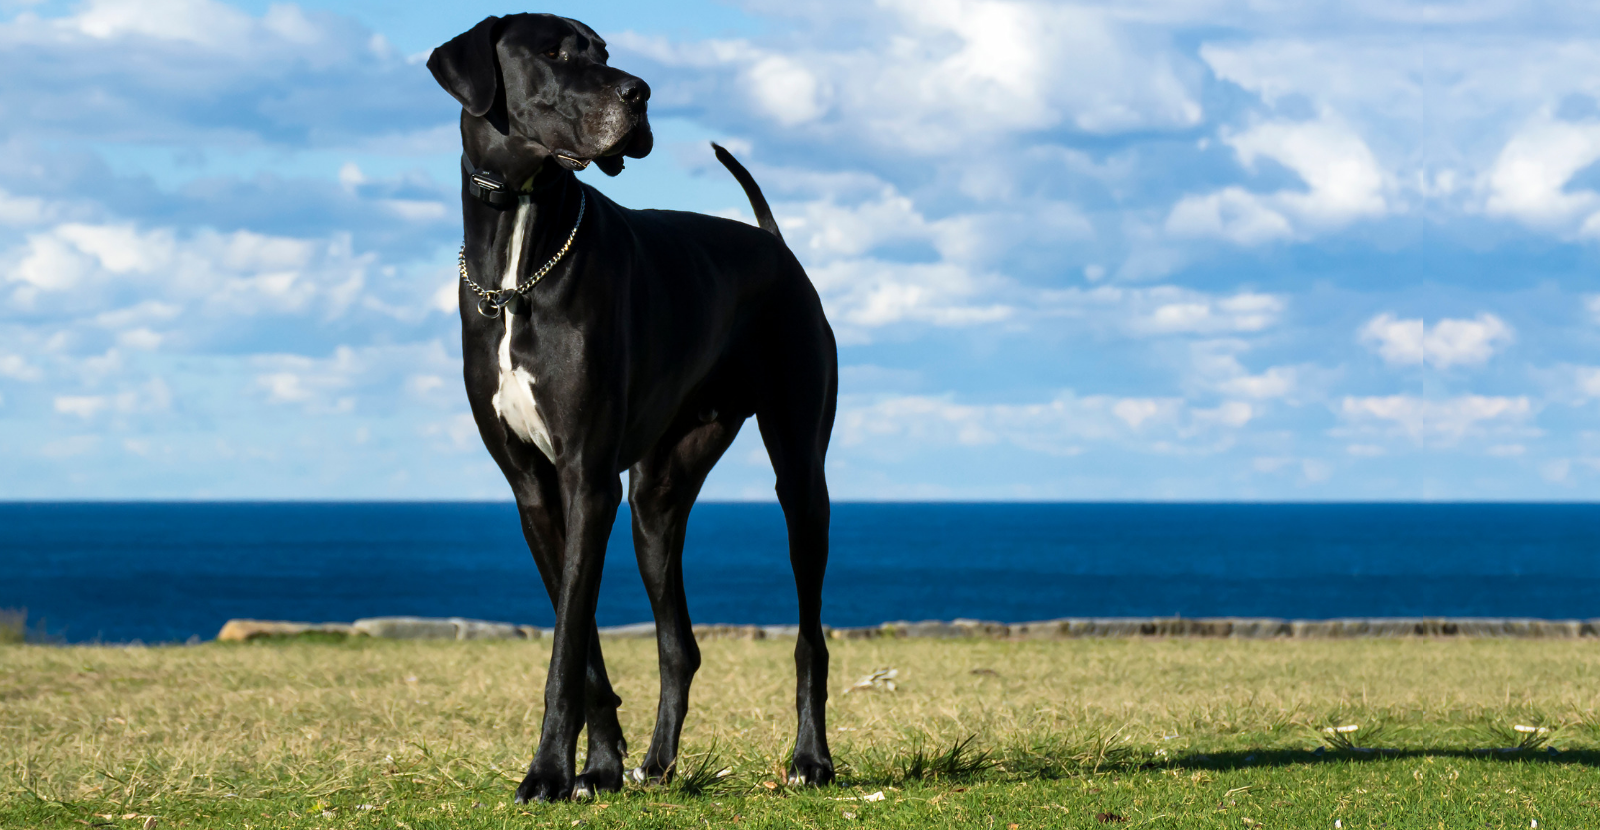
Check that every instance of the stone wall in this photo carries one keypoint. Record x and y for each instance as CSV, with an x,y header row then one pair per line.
x,y
1244,628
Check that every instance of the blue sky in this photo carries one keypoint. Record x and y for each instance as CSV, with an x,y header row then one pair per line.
x,y
1132,250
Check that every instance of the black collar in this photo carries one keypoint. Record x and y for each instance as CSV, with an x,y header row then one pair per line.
x,y
495,191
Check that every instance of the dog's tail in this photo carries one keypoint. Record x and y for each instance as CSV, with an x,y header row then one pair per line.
x,y
752,191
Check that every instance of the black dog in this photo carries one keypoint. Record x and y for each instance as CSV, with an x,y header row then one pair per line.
x,y
598,339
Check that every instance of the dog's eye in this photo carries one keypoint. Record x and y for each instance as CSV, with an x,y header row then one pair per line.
x,y
553,54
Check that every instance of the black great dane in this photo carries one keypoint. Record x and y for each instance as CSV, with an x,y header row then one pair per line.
x,y
598,339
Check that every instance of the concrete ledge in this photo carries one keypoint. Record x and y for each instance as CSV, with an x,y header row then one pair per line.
x,y
1066,628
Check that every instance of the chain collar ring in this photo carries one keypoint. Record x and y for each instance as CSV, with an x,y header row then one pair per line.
x,y
492,301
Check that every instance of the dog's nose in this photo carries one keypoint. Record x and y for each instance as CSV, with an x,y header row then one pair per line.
x,y
633,91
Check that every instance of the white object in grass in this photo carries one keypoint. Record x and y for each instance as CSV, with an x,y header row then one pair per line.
x,y
880,679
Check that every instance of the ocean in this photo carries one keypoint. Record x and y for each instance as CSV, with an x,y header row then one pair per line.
x,y
160,572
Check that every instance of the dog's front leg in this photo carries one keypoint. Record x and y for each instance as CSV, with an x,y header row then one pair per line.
x,y
591,508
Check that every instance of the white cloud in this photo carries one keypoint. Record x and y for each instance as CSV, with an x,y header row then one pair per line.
x,y
152,396
1066,425
1487,93
865,294
933,76
1343,180
823,230
1397,341
350,176
1449,342
1443,420
1588,381
1275,382
367,377
1232,213
787,91
1343,177
1466,342
21,210
83,406
1215,369
193,72
1058,427
140,338
1162,311
1193,313
1229,413
1135,411
201,22
1528,180
233,274
17,367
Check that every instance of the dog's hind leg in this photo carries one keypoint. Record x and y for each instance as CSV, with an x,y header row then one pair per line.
x,y
544,530
662,489
795,426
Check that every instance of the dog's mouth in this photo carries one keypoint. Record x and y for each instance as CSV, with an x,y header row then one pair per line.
x,y
636,142
571,161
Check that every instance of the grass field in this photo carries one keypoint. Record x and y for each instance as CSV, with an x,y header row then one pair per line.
x,y
1164,733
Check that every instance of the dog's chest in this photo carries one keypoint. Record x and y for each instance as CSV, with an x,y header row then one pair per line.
x,y
513,399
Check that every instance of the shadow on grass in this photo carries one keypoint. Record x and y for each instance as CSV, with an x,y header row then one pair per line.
x,y
1051,761
1240,759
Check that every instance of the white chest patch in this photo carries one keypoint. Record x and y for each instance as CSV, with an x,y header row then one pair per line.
x,y
514,399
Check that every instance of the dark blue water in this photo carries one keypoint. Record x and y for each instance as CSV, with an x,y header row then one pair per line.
x,y
160,572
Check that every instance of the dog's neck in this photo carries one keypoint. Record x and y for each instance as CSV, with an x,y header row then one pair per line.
x,y
525,167
523,163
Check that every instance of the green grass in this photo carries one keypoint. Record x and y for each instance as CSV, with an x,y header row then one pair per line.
x,y
1164,733
13,625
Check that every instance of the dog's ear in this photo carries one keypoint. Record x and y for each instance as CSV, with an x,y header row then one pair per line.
x,y
467,67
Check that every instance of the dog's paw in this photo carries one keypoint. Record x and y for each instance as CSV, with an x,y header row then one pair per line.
x,y
649,774
539,786
811,772
593,782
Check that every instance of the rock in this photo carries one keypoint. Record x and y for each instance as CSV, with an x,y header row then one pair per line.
x,y
460,628
1042,630
644,629
926,629
720,631
982,628
242,630
1312,629
407,628
483,630
1259,629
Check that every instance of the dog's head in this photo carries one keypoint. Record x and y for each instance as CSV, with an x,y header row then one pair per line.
x,y
544,79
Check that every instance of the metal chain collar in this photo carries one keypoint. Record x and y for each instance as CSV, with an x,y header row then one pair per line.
x,y
492,300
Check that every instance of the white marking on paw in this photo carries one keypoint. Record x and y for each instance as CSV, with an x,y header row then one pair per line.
x,y
513,401
581,792
637,774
